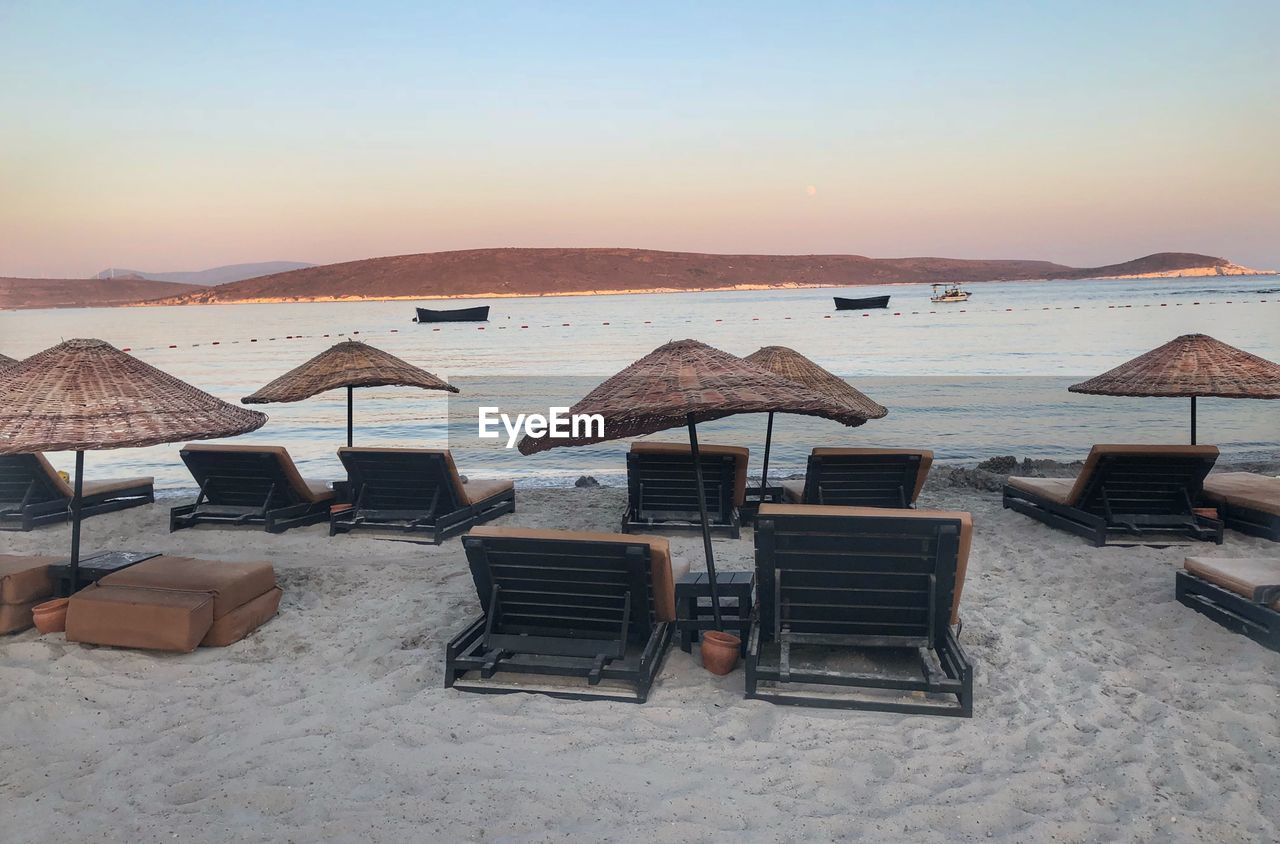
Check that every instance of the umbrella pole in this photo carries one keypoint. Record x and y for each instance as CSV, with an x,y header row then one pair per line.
x,y
706,528
350,415
76,498
764,472
1193,420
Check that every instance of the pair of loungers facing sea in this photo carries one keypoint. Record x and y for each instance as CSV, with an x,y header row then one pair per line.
x,y
591,616
662,489
415,492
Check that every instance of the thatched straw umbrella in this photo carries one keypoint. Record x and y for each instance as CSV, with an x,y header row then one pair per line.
x,y
1192,365
794,366
88,395
5,361
681,384
349,364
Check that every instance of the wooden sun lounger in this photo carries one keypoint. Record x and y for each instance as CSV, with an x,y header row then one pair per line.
x,y
662,490
861,477
1125,494
559,607
32,493
1246,502
416,491
249,485
1242,595
836,585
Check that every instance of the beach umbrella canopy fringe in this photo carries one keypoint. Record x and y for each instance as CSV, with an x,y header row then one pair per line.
x,y
6,361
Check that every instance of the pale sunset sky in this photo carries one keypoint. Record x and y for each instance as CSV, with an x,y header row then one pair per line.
x,y
179,136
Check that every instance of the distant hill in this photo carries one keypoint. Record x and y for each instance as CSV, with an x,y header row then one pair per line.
x,y
1160,265
83,292
529,272
216,275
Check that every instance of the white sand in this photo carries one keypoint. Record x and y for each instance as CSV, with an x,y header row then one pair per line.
x,y
1105,711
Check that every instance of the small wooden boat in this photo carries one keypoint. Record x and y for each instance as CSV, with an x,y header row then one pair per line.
x,y
843,304
950,293
479,313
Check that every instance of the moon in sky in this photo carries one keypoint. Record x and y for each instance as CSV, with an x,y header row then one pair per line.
x,y
811,190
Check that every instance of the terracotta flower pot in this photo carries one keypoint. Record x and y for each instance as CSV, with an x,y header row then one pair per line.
x,y
719,651
51,616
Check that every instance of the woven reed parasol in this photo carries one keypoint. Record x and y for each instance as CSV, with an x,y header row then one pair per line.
x,y
349,364
5,361
88,395
794,366
681,384
1192,365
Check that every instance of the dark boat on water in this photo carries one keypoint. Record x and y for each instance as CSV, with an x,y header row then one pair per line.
x,y
479,313
843,304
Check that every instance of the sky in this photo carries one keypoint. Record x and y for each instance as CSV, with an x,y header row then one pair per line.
x,y
175,136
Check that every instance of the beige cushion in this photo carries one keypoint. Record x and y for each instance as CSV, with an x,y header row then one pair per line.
x,y
243,620
133,617
229,585
473,491
664,572
25,579
1242,576
15,618
966,530
90,488
1091,465
1245,489
740,455
479,490
926,460
313,492
1054,489
793,491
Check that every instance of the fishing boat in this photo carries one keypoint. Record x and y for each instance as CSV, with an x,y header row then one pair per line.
x,y
480,313
843,304
950,293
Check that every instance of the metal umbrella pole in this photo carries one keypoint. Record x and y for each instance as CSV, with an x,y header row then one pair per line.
x,y
706,526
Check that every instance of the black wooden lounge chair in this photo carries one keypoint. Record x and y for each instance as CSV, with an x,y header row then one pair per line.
x,y
558,607
418,492
1246,502
1126,494
661,487
861,477
32,493
860,598
250,485
1242,595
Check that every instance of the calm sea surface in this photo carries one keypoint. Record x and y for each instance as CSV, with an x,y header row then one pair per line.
x,y
973,380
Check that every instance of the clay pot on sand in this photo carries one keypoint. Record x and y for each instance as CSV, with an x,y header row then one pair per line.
x,y
51,616
719,651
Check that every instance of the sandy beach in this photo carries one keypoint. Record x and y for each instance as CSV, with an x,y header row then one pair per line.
x,y
1105,711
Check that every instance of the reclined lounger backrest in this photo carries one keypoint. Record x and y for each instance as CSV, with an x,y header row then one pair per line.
x,y
567,584
30,477
243,475
410,480
660,478
866,477
1142,479
860,571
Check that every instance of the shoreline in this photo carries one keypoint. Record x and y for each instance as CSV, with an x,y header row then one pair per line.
x,y
1205,272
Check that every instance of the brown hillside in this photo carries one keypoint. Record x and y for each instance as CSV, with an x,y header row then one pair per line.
x,y
83,292
551,271
1161,262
